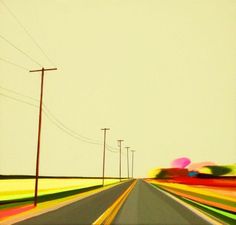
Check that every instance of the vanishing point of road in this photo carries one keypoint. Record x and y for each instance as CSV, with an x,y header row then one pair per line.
x,y
145,205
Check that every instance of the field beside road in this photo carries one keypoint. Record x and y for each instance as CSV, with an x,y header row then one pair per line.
x,y
18,189
17,195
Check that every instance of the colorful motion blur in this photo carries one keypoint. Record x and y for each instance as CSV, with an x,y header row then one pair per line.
x,y
17,195
204,185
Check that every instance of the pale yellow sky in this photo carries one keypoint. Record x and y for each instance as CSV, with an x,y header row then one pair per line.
x,y
160,74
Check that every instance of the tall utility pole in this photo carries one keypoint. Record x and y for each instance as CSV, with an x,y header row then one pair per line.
x,y
104,154
39,133
119,144
133,163
127,161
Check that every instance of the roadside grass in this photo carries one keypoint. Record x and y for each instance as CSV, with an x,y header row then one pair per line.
x,y
23,189
20,192
16,211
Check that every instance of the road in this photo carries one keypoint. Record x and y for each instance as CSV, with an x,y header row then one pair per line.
x,y
147,205
85,211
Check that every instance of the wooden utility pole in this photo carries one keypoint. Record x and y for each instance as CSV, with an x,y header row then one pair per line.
x,y
39,132
133,163
119,144
104,154
127,161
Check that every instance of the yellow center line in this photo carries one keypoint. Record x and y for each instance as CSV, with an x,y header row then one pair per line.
x,y
108,216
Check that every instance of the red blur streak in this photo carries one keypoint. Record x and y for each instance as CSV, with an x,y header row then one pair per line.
x,y
220,182
13,211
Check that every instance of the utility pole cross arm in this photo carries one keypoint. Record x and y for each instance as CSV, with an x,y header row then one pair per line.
x,y
43,69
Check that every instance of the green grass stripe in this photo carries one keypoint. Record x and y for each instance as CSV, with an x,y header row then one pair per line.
x,y
49,197
8,204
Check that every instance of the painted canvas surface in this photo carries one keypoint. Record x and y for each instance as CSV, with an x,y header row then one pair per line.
x,y
117,112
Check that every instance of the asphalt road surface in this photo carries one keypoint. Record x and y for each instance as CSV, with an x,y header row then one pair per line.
x,y
147,205
84,211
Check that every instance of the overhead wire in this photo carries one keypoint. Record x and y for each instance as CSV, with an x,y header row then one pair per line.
x,y
112,147
66,131
45,108
46,111
21,51
48,116
19,100
19,94
54,120
14,64
27,32
58,121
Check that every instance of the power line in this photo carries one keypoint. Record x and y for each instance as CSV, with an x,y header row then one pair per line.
x,y
18,100
52,119
55,120
65,131
111,149
27,32
45,108
71,134
14,64
48,116
18,49
19,94
64,126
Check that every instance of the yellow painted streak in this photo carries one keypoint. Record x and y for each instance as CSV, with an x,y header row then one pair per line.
x,y
21,188
108,216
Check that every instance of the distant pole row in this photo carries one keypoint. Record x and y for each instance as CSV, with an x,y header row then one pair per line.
x,y
120,147
104,143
